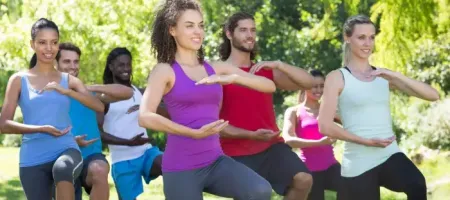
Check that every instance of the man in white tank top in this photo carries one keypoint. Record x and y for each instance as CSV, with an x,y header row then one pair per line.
x,y
132,156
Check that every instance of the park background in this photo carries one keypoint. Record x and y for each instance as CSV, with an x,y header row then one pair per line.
x,y
413,38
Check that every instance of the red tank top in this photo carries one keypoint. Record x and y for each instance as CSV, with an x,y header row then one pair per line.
x,y
251,110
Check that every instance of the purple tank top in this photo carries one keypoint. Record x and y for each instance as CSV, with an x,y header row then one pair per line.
x,y
317,158
192,106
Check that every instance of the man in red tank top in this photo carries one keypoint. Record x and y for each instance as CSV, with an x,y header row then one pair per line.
x,y
252,136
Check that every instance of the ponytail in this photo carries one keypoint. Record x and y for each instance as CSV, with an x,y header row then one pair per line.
x,y
33,61
301,96
347,54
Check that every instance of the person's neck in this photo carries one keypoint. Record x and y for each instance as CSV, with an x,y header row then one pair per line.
x,y
311,104
239,58
360,65
188,58
44,68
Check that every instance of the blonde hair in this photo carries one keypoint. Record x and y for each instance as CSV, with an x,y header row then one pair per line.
x,y
348,28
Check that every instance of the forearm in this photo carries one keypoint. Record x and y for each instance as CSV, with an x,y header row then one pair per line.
x,y
297,75
296,142
415,88
111,139
159,123
12,127
116,91
258,83
334,131
234,132
87,100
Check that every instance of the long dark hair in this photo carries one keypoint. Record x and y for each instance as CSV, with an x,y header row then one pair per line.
x,y
107,74
230,25
40,24
314,73
163,44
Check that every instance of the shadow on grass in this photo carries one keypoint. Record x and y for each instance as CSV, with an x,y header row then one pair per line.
x,y
11,189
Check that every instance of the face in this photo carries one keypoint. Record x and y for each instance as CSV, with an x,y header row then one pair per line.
x,y
46,45
362,40
189,30
121,67
69,62
244,36
315,93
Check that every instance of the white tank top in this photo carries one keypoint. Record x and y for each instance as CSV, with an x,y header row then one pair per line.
x,y
121,120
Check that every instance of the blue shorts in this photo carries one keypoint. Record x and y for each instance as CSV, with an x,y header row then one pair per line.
x,y
127,174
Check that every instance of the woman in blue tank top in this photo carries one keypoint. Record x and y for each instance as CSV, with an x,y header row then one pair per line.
x,y
360,92
49,154
193,161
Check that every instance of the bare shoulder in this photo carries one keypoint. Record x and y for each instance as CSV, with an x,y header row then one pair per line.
x,y
335,79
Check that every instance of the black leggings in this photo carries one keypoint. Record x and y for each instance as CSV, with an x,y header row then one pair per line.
x,y
37,181
398,174
329,179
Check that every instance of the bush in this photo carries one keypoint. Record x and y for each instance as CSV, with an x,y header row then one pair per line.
x,y
12,140
435,126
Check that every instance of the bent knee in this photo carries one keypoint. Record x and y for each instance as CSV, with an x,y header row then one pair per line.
x,y
302,180
65,171
98,170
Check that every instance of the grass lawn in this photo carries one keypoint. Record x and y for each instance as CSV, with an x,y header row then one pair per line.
x,y
436,172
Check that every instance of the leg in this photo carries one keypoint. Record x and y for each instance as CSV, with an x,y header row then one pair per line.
x,y
37,181
78,190
318,187
399,174
186,185
66,170
365,186
332,177
95,177
152,164
127,178
232,179
288,175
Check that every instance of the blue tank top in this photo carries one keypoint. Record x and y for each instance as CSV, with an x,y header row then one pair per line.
x,y
193,106
47,108
84,122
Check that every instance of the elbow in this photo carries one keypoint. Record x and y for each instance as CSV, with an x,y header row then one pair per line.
x,y
434,96
128,93
146,120
99,107
324,128
271,88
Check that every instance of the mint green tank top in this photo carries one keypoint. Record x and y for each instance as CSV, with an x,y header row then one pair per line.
x,y
365,111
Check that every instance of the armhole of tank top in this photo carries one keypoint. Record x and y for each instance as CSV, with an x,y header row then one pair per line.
x,y
342,73
106,109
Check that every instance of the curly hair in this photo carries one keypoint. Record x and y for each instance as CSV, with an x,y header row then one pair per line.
x,y
163,44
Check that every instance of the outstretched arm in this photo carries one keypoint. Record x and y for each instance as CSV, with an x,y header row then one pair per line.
x,y
80,93
243,78
408,85
288,77
109,93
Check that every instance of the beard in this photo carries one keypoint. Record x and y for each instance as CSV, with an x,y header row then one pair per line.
x,y
238,45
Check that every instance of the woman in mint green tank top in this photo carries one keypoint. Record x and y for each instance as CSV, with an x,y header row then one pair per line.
x,y
360,93
49,154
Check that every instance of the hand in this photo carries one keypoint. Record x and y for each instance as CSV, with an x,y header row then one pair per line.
x,y
82,142
220,79
138,140
376,142
210,129
265,64
55,86
264,134
54,131
327,141
383,73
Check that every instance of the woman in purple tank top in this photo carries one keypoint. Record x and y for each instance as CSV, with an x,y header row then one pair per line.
x,y
301,130
191,89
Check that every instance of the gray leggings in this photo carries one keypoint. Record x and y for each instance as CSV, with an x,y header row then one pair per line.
x,y
225,177
37,181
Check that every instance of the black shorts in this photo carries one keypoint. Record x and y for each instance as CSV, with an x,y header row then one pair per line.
x,y
81,181
278,164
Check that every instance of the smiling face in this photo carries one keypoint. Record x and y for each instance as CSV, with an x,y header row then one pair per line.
x,y
315,93
362,40
46,45
69,62
244,36
188,31
121,67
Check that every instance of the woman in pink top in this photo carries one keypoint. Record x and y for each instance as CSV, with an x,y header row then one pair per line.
x,y
301,130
